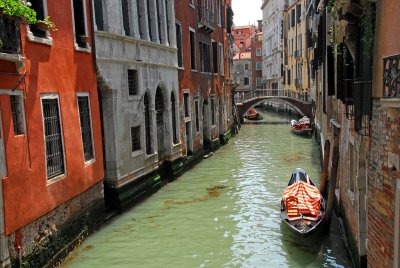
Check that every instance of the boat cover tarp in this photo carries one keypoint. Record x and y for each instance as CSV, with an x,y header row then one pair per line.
x,y
301,198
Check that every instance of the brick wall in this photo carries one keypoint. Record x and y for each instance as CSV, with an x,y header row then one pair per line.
x,y
385,140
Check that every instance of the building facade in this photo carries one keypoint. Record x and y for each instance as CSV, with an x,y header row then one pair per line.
x,y
297,64
272,43
136,54
51,156
203,31
257,61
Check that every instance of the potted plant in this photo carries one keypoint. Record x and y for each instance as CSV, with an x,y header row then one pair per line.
x,y
83,38
18,9
46,24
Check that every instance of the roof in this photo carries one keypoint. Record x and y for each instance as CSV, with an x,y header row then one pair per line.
x,y
243,56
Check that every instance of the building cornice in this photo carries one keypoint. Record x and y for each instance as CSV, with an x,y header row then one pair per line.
x,y
124,61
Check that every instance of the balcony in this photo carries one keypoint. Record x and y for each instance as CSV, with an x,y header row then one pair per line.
x,y
205,18
298,83
391,77
10,40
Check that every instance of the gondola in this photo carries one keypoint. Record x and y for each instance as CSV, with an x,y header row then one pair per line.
x,y
301,127
253,115
302,205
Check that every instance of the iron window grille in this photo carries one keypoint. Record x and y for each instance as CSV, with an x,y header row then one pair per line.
x,y
86,127
391,76
147,124
17,114
173,109
132,82
135,138
196,107
362,106
53,138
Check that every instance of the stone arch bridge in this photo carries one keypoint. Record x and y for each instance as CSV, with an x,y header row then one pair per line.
x,y
301,104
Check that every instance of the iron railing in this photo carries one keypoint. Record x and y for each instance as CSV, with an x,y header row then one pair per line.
x,y
391,76
205,17
10,35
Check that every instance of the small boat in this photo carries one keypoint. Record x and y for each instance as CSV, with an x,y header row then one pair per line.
x,y
301,127
302,205
253,115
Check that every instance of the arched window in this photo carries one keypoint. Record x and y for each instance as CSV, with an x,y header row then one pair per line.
x,y
147,123
173,109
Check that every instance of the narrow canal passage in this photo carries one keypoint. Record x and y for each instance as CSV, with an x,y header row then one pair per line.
x,y
222,213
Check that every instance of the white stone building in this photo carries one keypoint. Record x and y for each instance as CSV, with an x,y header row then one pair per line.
x,y
272,43
137,73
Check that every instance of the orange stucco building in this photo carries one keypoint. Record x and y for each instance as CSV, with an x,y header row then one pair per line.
x,y
51,159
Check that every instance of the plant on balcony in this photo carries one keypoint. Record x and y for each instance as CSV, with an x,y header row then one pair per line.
x,y
46,24
17,8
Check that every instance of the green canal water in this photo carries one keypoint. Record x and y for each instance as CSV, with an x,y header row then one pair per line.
x,y
222,213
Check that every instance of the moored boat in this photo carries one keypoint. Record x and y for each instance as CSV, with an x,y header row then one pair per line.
x,y
301,127
253,115
302,205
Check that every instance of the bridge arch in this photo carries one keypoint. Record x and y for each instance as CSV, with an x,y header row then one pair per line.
x,y
304,108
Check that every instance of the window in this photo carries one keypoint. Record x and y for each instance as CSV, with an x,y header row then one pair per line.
x,y
219,12
215,57
258,82
191,3
212,112
246,81
352,167
53,136
258,51
298,13
179,43
293,18
135,138
132,82
147,124
125,16
221,60
246,66
39,7
186,103
98,12
196,110
86,126
192,50
17,113
173,110
80,23
204,57
258,65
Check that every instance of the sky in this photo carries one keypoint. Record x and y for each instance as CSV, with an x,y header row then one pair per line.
x,y
246,12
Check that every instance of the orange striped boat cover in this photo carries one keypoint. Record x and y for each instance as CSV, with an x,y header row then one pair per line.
x,y
301,198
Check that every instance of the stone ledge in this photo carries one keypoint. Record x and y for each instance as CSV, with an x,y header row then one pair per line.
x,y
390,102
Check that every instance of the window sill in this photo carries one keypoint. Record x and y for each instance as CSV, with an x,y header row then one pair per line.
x,y
351,196
136,153
181,68
91,161
83,49
187,119
390,102
45,41
192,6
55,179
134,97
194,71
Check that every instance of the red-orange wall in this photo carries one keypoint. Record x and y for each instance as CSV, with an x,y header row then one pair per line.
x,y
50,69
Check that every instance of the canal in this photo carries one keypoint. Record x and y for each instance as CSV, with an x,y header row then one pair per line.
x,y
222,213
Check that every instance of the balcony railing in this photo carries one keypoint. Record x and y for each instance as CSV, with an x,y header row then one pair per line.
x,y
391,77
205,18
10,35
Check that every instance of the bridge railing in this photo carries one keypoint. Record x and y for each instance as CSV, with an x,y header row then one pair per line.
x,y
241,98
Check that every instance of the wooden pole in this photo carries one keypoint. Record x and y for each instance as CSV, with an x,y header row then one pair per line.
x,y
324,175
332,182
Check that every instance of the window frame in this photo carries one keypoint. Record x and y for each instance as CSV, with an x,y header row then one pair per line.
x,y
244,81
87,49
137,95
179,42
57,97
140,150
48,40
197,115
258,52
22,112
193,56
86,94
258,64
221,59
